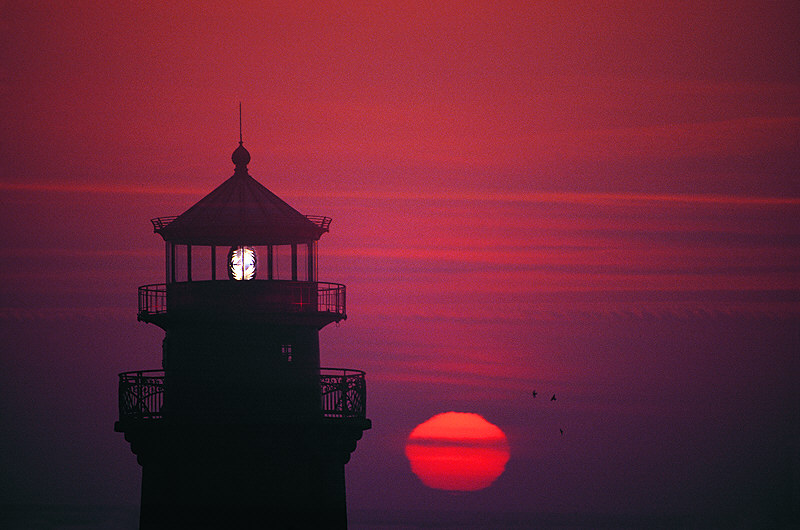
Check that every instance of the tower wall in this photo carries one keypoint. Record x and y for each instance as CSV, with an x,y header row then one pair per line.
x,y
281,476
243,371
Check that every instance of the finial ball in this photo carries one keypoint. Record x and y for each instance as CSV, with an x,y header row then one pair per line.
x,y
241,156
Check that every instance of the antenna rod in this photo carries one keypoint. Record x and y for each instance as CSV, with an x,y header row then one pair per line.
x,y
240,123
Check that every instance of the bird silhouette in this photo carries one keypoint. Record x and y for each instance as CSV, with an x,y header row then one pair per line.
x,y
553,398
533,393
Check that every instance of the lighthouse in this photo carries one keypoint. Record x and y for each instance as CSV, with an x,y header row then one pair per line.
x,y
241,427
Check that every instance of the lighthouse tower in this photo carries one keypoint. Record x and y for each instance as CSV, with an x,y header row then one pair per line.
x,y
242,428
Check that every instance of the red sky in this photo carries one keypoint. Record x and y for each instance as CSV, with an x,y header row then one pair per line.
x,y
598,199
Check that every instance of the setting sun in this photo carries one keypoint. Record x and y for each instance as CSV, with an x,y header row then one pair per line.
x,y
457,451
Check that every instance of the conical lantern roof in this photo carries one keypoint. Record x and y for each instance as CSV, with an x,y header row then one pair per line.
x,y
241,211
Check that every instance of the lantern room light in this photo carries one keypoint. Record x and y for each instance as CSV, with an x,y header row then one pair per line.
x,y
242,263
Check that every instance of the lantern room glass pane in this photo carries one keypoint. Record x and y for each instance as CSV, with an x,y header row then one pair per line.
x,y
302,263
179,262
201,263
221,264
282,262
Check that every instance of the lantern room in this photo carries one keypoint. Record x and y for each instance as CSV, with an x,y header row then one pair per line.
x,y
241,233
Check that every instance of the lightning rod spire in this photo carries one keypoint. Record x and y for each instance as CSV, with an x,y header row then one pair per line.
x,y
240,156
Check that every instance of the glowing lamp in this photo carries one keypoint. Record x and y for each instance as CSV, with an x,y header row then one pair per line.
x,y
242,263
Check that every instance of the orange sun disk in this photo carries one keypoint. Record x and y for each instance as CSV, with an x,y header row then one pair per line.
x,y
457,451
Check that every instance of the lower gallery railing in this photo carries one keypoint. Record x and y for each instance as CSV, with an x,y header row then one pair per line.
x,y
343,394
141,394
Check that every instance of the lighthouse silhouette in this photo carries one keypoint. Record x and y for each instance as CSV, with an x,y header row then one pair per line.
x,y
242,428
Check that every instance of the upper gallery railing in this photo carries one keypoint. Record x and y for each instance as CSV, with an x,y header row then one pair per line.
x,y
343,394
259,295
153,299
320,220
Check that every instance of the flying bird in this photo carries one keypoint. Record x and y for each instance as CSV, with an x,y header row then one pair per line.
x,y
533,393
553,398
